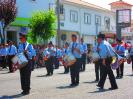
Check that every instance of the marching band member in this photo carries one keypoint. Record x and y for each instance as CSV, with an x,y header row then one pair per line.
x,y
25,72
3,54
106,53
49,55
84,55
76,50
12,51
56,57
98,64
65,52
33,59
120,50
131,56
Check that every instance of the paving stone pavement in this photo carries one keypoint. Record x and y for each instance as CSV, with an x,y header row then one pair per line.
x,y
57,86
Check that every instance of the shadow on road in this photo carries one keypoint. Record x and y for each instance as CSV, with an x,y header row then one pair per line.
x,y
100,90
63,73
5,73
90,82
43,76
129,75
65,87
11,97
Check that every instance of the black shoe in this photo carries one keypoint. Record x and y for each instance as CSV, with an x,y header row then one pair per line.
x,y
121,77
117,77
76,84
100,87
25,93
113,88
51,74
47,74
66,72
72,85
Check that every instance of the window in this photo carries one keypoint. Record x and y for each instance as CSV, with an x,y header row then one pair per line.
x,y
98,20
73,16
107,22
87,18
62,9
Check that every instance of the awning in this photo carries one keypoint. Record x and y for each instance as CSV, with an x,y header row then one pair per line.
x,y
110,35
20,21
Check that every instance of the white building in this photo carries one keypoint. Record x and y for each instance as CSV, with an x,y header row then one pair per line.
x,y
77,17
86,20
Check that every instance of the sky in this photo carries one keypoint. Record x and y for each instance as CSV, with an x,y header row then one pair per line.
x,y
105,3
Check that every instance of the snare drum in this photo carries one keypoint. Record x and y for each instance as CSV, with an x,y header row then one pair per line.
x,y
69,59
20,59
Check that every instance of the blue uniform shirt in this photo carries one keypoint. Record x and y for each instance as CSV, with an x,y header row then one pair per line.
x,y
131,51
84,47
3,51
106,49
29,49
49,52
120,48
66,51
78,46
12,50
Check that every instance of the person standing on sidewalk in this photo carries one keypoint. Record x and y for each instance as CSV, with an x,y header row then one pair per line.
x,y
106,53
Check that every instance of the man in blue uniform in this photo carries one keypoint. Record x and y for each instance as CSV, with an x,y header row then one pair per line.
x,y
106,53
49,54
120,50
12,50
84,55
25,72
3,54
76,50
65,52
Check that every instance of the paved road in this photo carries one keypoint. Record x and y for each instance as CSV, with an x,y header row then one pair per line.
x,y
56,87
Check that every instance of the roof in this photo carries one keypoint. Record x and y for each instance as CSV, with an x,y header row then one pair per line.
x,y
83,3
120,3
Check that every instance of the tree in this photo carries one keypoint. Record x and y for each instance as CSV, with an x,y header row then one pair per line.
x,y
42,25
8,11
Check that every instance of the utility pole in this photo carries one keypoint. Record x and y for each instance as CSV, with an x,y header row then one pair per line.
x,y
58,23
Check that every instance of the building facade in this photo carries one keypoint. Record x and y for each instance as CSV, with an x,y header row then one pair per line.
x,y
86,20
76,17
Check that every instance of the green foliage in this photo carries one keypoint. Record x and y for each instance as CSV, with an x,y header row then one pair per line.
x,y
42,25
